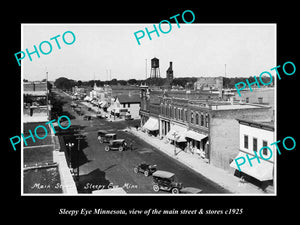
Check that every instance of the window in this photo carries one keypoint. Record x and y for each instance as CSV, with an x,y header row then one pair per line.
x,y
202,120
124,105
255,144
179,114
182,111
206,120
192,117
246,141
265,150
197,118
186,115
128,105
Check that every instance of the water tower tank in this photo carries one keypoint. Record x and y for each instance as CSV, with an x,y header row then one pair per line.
x,y
154,63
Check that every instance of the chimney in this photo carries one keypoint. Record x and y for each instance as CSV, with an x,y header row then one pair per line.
x,y
171,65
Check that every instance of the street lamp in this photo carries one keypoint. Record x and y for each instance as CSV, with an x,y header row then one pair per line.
x,y
70,145
176,137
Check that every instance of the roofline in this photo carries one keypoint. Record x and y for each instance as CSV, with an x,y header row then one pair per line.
x,y
256,124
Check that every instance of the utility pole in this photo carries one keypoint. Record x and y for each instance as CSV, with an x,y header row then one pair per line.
x,y
47,93
78,138
146,68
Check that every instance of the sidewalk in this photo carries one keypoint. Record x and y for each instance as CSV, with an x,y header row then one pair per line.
x,y
216,175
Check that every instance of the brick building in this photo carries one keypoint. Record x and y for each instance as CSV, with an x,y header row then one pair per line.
x,y
199,122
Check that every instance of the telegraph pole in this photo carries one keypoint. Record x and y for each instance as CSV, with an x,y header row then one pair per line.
x,y
146,68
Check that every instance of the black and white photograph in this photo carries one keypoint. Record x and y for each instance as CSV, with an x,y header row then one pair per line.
x,y
147,111
110,113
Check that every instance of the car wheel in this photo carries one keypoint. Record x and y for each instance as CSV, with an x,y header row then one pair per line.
x,y
175,191
120,149
146,173
106,148
155,188
136,170
101,141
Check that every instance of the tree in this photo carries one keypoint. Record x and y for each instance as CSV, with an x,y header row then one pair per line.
x,y
113,82
132,81
122,82
64,83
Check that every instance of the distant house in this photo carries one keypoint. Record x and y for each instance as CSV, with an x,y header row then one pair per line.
x,y
127,103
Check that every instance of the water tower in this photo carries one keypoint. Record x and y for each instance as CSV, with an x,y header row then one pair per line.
x,y
155,73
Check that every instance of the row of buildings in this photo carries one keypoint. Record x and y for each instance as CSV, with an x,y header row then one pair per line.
x,y
116,100
213,123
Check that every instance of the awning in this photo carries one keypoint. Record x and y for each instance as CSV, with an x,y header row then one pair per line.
x,y
177,133
151,124
262,171
194,135
103,104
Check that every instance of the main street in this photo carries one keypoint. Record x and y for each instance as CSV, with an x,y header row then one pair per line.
x,y
99,169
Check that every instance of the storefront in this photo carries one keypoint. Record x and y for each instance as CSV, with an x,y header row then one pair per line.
x,y
262,171
197,143
177,136
151,126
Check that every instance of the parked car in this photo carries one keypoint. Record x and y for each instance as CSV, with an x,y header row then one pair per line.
x,y
167,181
105,137
87,117
190,190
118,144
145,168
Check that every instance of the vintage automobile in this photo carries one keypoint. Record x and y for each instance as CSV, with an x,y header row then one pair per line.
x,y
190,190
163,180
105,137
118,144
87,117
145,168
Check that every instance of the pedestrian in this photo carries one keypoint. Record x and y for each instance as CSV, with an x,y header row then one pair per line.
x,y
131,145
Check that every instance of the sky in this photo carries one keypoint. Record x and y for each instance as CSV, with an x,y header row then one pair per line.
x,y
103,49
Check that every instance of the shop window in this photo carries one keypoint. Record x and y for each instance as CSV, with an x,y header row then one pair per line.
x,y
197,118
206,120
202,120
186,115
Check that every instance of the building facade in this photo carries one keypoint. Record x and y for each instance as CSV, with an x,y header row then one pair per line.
x,y
198,123
254,135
